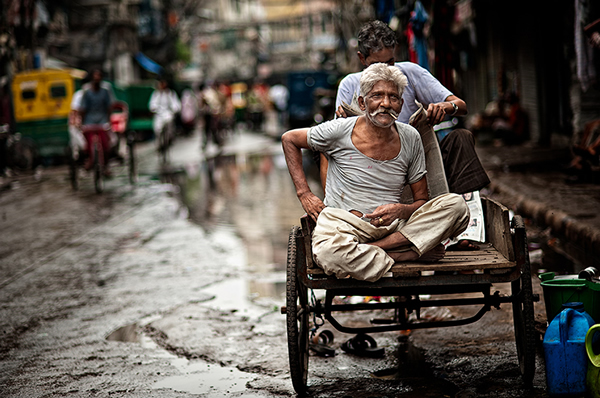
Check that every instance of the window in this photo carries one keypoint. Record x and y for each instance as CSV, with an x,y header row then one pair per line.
x,y
58,91
28,94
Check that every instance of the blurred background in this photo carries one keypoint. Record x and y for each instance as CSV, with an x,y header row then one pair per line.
x,y
488,53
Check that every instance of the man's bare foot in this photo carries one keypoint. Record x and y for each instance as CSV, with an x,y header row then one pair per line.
x,y
463,245
433,255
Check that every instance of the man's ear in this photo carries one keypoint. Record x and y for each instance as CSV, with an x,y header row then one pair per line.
x,y
361,103
363,59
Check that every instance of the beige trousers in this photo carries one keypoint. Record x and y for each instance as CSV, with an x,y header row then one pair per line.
x,y
340,238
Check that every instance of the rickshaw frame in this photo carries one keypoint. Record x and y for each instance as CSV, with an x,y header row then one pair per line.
x,y
504,259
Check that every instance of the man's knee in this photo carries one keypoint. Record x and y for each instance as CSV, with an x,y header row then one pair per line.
x,y
457,204
461,211
461,205
459,136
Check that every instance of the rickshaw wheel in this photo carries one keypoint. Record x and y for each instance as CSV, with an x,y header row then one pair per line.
x,y
23,154
73,172
297,313
131,155
98,167
523,312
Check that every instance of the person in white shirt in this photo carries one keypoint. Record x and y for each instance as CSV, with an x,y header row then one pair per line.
x,y
165,104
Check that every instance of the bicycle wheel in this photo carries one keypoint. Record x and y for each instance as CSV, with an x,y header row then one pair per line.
x,y
98,166
163,144
297,313
131,155
72,155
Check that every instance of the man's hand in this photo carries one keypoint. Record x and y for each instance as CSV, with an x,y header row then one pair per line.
x,y
311,204
595,40
438,111
386,214
340,112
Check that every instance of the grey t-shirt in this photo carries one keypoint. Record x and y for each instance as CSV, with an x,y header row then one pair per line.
x,y
96,105
422,86
358,182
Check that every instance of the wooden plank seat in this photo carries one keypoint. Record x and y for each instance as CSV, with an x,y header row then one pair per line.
x,y
495,257
485,259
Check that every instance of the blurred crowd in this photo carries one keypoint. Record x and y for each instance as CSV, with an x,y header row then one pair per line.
x,y
217,108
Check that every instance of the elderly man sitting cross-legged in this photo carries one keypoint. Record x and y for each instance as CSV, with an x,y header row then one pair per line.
x,y
362,229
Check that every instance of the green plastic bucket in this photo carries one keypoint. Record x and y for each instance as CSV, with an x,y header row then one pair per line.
x,y
569,288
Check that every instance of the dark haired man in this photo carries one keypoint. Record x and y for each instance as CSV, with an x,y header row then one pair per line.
x,y
377,43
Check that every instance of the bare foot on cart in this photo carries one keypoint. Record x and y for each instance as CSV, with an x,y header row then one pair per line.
x,y
463,245
432,256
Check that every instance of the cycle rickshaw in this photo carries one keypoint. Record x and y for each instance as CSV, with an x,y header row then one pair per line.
x,y
114,133
503,259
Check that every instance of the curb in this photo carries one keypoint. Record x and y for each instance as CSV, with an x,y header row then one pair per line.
x,y
561,223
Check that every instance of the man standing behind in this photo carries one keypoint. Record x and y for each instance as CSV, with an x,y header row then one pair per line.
x,y
377,43
95,114
362,228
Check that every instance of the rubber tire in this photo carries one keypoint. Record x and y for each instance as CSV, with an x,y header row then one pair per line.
x,y
98,168
523,313
23,154
73,171
297,314
163,145
132,167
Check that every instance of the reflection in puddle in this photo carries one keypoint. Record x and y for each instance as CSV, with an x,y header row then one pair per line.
x,y
128,334
202,378
237,295
196,377
246,192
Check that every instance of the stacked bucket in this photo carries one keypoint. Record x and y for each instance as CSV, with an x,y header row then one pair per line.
x,y
572,339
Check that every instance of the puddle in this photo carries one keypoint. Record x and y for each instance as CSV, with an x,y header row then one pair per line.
x,y
246,202
133,333
203,378
240,295
197,377
127,334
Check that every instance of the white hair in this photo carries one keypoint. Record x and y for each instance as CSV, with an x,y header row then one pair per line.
x,y
378,72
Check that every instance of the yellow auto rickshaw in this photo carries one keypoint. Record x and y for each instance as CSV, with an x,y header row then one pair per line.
x,y
41,102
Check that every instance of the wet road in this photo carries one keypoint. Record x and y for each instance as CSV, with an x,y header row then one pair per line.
x,y
172,287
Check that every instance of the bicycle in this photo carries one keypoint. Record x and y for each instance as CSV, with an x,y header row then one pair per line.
x,y
96,162
97,158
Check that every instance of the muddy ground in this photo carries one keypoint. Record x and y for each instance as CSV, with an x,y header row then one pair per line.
x,y
172,288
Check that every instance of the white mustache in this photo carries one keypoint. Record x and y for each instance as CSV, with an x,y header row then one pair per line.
x,y
390,112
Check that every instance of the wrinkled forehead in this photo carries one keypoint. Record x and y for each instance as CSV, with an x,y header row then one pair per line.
x,y
384,85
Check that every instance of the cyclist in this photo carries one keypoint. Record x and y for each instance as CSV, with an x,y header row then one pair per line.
x,y
164,103
95,108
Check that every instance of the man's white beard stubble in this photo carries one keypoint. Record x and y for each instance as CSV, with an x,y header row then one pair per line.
x,y
390,112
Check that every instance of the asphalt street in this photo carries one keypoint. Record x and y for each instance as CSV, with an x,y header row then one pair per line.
x,y
171,287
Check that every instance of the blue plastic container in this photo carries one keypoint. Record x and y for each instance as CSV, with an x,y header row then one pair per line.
x,y
565,353
579,307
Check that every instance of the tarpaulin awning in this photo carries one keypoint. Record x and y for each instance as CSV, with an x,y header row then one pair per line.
x,y
148,64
